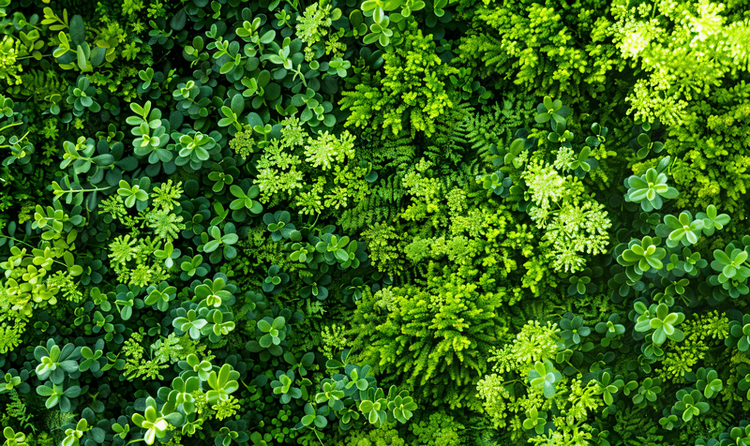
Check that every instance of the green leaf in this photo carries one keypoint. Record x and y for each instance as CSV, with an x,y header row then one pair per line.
x,y
264,326
77,30
81,55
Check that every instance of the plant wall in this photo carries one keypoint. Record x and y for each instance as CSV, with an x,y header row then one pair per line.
x,y
371,223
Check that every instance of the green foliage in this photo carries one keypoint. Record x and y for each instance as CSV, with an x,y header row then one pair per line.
x,y
544,376
412,93
650,189
541,46
190,237
707,48
452,351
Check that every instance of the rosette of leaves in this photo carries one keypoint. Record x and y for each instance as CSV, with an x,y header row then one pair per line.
x,y
642,255
270,333
675,288
707,381
357,389
302,252
81,158
689,263
15,380
193,366
156,422
335,249
223,174
357,255
649,390
244,203
275,280
581,284
92,359
169,254
283,387
554,112
739,334
682,229
159,296
181,391
739,435
314,416
278,224
235,431
658,318
152,134
582,163
21,151
400,405
332,393
731,264
86,431
373,406
55,362
496,183
644,146
13,438
743,385
543,375
220,323
611,328
191,321
195,148
690,404
712,220
59,395
379,29
126,299
669,422
215,293
535,420
135,194
193,98
150,78
81,96
192,266
222,383
104,323
732,288
650,189
573,330
219,245
599,135
609,387
196,214
645,222
510,156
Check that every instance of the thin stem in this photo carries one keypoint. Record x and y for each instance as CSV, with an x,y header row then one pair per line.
x,y
316,436
11,125
29,57
61,192
19,241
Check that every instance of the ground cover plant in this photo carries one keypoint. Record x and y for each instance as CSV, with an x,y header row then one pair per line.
x,y
371,223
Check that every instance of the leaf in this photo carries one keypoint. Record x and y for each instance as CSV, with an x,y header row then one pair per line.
x,y
237,104
178,20
264,326
279,322
82,65
44,391
77,30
